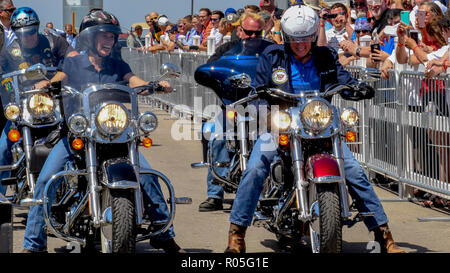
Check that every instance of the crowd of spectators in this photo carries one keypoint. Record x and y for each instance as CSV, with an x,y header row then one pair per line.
x,y
371,33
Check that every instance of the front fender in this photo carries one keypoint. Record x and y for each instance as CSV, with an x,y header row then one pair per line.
x,y
323,168
120,174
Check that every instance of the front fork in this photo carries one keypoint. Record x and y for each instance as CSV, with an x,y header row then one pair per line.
x,y
301,189
95,188
27,147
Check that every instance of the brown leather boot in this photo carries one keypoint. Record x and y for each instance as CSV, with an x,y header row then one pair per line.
x,y
384,237
236,242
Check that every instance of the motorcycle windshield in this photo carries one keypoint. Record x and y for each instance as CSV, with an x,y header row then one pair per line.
x,y
241,58
97,102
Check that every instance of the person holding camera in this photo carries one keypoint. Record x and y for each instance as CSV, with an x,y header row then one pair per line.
x,y
341,27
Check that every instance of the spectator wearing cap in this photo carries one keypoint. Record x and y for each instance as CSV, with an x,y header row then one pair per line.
x,y
362,28
230,10
165,26
134,38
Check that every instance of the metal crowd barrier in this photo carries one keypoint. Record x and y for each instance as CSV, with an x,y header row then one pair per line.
x,y
403,132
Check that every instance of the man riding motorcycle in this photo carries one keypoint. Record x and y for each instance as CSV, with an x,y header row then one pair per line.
x,y
251,28
99,31
298,65
29,48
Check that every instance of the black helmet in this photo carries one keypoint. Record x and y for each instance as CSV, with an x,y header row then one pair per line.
x,y
93,23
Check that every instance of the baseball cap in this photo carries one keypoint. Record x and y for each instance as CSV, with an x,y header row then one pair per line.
x,y
232,18
230,10
163,21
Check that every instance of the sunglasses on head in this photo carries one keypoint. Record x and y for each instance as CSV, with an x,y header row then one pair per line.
x,y
251,32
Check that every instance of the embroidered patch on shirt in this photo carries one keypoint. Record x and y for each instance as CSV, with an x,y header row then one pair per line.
x,y
279,76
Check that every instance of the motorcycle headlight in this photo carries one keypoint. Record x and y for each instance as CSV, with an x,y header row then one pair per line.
x,y
148,122
349,117
112,119
317,115
78,124
282,120
12,112
41,105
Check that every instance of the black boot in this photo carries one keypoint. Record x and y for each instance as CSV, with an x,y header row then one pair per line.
x,y
211,204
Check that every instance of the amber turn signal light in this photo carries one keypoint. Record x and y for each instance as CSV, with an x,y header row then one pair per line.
x,y
283,140
147,142
77,144
350,136
14,135
231,114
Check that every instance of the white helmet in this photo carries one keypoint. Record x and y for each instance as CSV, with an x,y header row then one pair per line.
x,y
299,23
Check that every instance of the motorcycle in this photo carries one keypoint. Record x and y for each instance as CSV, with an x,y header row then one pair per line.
x,y
99,199
305,192
224,77
35,117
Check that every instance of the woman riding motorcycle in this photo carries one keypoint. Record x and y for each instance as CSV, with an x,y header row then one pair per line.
x,y
298,65
98,63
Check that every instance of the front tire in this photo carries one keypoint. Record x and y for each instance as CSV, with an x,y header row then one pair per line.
x,y
123,221
329,225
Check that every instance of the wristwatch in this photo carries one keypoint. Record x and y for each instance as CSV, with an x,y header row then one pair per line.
x,y
358,51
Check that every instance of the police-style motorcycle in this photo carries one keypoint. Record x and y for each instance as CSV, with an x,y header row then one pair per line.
x,y
224,77
35,116
100,201
306,191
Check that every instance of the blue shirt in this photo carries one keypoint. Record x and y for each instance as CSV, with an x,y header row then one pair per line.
x,y
190,36
389,46
304,76
81,72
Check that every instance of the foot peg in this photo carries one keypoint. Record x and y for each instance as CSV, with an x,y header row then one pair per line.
x,y
259,220
358,218
199,165
183,200
28,202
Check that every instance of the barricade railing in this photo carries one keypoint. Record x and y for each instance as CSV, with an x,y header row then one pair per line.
x,y
404,131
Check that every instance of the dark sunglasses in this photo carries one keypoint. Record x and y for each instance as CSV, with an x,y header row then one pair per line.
x,y
340,13
31,32
362,31
9,10
251,32
360,4
214,20
370,19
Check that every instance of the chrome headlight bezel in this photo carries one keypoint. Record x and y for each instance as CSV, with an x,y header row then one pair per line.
x,y
316,120
45,114
9,108
74,123
349,117
282,120
143,127
102,129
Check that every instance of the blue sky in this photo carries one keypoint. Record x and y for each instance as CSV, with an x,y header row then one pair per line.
x,y
132,11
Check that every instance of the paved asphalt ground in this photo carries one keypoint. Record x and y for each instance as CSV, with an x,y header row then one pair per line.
x,y
206,232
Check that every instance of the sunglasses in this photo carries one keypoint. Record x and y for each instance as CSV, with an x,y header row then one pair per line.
x,y
362,31
9,10
251,32
360,4
214,19
340,13
370,19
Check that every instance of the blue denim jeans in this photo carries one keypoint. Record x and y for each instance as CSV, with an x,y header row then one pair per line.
x,y
5,154
35,237
221,154
257,171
